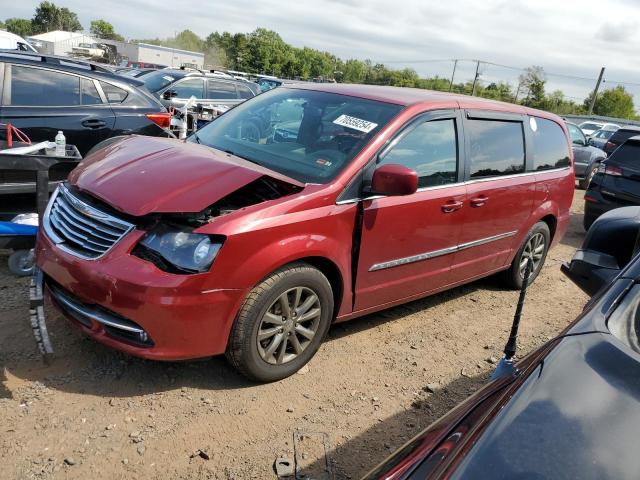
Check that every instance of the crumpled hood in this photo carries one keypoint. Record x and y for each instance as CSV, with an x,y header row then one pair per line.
x,y
141,175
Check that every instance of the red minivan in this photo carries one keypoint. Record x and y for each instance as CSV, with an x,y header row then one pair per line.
x,y
306,205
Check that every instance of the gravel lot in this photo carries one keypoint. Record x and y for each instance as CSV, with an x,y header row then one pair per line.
x,y
94,413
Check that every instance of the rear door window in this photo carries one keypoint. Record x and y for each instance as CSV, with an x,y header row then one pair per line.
x,y
191,87
496,148
551,149
43,88
244,91
431,150
217,89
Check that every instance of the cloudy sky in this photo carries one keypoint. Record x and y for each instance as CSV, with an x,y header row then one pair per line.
x,y
569,38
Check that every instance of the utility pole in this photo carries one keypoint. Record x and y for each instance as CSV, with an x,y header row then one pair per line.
x,y
515,100
453,74
475,79
595,91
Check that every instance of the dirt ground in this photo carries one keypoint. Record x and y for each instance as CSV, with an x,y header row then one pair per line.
x,y
95,413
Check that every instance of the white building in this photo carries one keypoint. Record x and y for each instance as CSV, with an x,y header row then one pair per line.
x,y
157,55
59,42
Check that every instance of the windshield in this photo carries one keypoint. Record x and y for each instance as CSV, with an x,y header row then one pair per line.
x,y
307,135
624,323
159,79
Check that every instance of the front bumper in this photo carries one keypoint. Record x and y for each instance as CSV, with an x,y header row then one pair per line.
x,y
181,315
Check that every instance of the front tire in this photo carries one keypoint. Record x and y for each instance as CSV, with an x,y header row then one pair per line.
x,y
281,324
535,246
21,263
584,183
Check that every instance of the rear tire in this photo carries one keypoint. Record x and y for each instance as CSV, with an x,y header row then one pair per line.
x,y
281,324
535,245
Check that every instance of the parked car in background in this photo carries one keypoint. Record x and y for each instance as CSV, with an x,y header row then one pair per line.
x,y
11,41
44,94
174,87
599,138
569,403
252,247
616,183
136,72
587,158
589,127
619,137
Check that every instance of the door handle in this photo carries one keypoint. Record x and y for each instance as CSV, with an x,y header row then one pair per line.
x,y
479,201
93,123
452,206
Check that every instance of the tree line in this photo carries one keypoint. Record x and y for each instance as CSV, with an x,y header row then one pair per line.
x,y
263,51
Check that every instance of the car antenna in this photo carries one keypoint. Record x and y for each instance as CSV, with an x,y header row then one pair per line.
x,y
506,366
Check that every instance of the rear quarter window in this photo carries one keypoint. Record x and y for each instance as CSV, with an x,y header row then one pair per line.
x,y
114,94
550,147
622,135
627,155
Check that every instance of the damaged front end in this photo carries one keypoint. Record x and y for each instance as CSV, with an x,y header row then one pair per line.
x,y
171,244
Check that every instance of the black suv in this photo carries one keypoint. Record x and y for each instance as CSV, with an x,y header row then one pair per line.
x,y
42,94
174,87
619,138
616,183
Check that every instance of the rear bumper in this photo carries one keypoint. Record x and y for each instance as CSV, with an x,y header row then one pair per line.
x,y
181,317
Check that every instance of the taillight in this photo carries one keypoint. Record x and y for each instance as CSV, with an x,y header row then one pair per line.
x,y
610,146
611,170
162,119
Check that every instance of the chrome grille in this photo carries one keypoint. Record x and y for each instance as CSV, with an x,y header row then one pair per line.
x,y
79,228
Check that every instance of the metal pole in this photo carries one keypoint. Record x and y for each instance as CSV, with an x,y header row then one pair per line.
x,y
453,74
595,91
475,79
515,100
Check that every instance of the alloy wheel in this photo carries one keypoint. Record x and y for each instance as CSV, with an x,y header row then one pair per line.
x,y
289,325
534,249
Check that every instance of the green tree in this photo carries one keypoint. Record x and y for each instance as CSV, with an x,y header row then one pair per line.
x,y
614,102
2,25
103,29
19,26
532,81
49,17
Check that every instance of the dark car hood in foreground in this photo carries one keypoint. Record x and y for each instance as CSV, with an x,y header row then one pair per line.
x,y
577,415
141,175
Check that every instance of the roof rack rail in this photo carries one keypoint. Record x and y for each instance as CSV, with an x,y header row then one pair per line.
x,y
55,60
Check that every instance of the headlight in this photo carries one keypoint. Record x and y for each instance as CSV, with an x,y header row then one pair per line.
x,y
193,252
26,219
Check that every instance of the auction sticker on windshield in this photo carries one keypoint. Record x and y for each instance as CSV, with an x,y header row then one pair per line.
x,y
355,123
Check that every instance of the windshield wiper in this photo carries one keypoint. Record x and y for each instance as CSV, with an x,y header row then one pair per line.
x,y
231,152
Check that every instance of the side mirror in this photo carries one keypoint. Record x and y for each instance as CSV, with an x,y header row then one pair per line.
x,y
590,141
599,260
169,94
395,180
579,142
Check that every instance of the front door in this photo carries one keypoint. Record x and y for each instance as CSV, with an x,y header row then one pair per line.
x,y
407,242
499,195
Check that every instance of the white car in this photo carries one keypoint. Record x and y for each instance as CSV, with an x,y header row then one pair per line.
x,y
11,41
589,127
